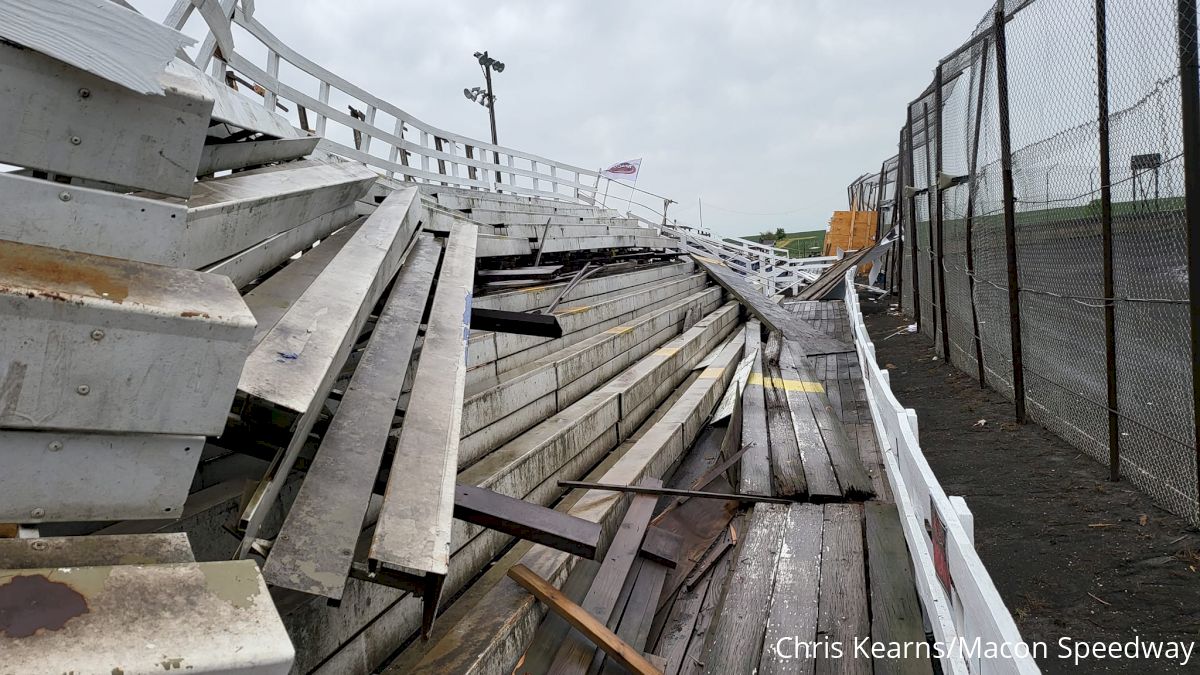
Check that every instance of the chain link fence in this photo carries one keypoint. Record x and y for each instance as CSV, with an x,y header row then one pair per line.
x,y
1047,157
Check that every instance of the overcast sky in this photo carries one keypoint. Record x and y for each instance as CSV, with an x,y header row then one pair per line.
x,y
768,108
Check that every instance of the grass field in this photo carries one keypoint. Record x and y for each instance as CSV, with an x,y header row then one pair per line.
x,y
798,244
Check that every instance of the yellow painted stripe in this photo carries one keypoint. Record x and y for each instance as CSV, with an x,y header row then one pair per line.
x,y
786,385
711,373
619,330
534,289
666,351
574,310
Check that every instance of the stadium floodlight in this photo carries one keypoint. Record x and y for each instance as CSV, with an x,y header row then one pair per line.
x,y
485,97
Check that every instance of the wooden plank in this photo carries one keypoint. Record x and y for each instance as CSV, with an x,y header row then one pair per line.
x,y
895,610
527,521
819,474
316,545
690,659
413,531
755,473
847,465
787,464
582,621
320,329
575,654
771,314
842,614
794,600
554,628
735,642
634,626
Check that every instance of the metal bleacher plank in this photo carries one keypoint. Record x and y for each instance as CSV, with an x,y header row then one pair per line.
x,y
316,547
294,366
413,530
270,300
226,156
265,256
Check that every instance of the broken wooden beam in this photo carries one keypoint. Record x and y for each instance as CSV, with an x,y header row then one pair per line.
x,y
582,621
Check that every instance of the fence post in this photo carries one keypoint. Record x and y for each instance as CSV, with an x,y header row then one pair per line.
x,y
912,220
897,202
1106,238
930,188
941,266
974,164
1189,67
1010,218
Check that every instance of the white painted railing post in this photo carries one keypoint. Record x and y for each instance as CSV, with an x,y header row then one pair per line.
x,y
323,97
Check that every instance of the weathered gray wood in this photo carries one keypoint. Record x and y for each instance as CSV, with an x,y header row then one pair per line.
x,y
895,609
794,600
843,613
124,138
413,532
638,614
787,465
772,315
847,465
554,628
224,156
316,544
295,365
819,475
575,654
756,463
735,642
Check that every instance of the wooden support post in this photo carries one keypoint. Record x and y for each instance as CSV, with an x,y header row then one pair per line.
x,y
941,221
1189,62
1010,220
1106,237
974,164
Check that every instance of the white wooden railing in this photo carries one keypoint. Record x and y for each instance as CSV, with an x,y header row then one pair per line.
x,y
960,600
400,145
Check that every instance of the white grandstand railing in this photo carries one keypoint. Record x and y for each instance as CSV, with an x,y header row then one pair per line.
x,y
413,150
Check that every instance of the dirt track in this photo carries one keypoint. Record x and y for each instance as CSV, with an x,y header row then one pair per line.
x,y
1071,553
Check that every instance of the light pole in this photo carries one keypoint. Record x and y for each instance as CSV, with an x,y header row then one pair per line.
x,y
486,98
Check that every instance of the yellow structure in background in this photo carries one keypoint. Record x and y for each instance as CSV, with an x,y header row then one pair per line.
x,y
850,231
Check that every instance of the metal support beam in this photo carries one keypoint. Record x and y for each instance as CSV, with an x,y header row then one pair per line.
x,y
1010,221
912,225
520,323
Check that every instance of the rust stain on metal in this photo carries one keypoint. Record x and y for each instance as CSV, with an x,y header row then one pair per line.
x,y
59,274
191,313
29,603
